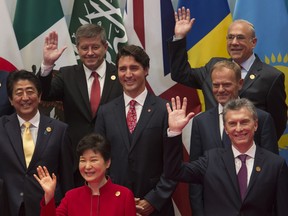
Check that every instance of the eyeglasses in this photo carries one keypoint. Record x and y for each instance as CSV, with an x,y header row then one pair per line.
x,y
231,37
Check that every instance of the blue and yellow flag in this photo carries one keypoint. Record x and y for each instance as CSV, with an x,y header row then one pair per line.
x,y
270,19
207,38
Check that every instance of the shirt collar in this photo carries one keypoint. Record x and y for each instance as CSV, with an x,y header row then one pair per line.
x,y
101,70
140,99
34,121
250,152
248,63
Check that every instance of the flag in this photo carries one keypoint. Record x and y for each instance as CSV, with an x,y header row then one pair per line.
x,y
33,21
270,19
10,58
150,24
104,13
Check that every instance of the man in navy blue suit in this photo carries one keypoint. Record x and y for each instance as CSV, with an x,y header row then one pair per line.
x,y
258,185
208,129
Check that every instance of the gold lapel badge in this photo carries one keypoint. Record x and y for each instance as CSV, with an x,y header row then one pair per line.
x,y
149,110
252,76
113,77
258,169
117,193
48,129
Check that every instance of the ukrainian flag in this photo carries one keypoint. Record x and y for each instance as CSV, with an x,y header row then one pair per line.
x,y
207,38
270,19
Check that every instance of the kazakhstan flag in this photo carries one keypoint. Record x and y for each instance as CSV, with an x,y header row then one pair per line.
x,y
270,19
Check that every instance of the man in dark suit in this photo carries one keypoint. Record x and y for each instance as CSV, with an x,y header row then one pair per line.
x,y
73,84
137,149
263,84
51,147
207,127
5,106
258,185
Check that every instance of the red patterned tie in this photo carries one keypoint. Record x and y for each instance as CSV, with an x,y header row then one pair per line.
x,y
95,93
131,116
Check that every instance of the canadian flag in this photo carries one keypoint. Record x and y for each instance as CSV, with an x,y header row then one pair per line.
x,y
10,57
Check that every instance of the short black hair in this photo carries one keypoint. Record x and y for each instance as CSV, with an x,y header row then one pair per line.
x,y
15,76
95,142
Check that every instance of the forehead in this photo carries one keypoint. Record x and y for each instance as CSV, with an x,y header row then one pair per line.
x,y
127,60
235,115
90,40
223,73
239,28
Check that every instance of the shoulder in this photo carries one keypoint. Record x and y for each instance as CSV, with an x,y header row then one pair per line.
x,y
56,122
71,68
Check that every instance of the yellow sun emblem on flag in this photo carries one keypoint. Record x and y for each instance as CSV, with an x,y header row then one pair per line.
x,y
280,62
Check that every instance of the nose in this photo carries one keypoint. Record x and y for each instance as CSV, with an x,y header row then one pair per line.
x,y
90,51
87,165
221,88
238,127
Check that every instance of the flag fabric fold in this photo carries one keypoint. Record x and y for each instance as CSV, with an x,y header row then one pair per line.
x,y
270,19
10,58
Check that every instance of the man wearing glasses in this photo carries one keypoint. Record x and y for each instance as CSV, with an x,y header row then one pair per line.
x,y
263,84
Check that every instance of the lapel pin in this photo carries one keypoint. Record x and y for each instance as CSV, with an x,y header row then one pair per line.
x,y
258,169
149,110
252,76
48,129
113,77
0,85
117,193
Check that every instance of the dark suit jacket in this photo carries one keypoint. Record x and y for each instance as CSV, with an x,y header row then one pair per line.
x,y
52,150
266,89
267,189
138,164
70,86
5,105
205,135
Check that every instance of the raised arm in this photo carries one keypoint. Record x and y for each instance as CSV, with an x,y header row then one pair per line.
x,y
47,182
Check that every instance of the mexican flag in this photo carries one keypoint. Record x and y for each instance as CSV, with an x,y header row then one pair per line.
x,y
33,21
10,58
104,13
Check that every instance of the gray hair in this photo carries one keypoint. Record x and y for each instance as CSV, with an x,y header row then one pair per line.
x,y
90,31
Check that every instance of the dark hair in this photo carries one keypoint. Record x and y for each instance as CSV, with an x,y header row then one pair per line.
x,y
238,104
15,76
90,31
137,52
95,142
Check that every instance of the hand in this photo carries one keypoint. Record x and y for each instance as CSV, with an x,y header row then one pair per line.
x,y
183,23
50,51
47,183
177,118
143,207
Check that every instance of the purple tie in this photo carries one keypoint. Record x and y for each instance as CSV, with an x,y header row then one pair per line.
x,y
242,175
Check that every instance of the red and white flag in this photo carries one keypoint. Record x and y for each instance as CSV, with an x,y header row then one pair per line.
x,y
10,57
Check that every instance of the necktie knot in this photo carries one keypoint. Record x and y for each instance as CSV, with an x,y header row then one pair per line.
x,y
94,74
243,157
132,103
27,124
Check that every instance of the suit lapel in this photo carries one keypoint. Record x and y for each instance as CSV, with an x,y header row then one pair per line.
x,y
252,75
147,111
81,83
215,133
229,163
110,80
44,132
14,133
120,120
258,163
